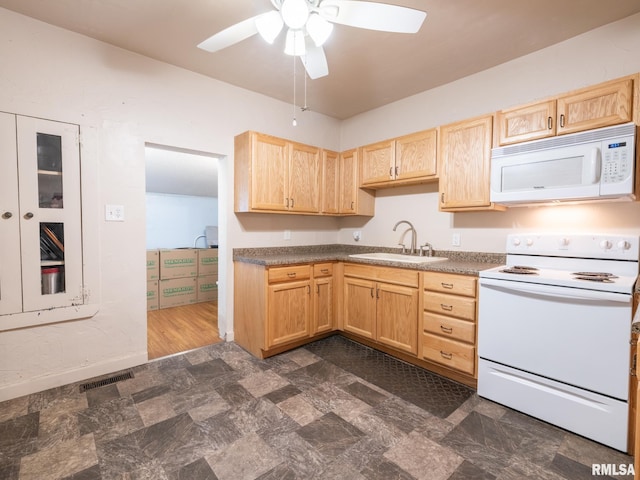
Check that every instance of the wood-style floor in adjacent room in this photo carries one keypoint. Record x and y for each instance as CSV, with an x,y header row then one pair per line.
x,y
178,329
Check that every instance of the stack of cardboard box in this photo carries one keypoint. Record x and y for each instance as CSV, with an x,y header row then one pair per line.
x,y
181,276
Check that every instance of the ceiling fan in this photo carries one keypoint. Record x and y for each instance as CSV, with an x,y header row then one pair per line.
x,y
310,22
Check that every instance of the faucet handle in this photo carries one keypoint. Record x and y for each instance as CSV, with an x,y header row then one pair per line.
x,y
404,249
429,249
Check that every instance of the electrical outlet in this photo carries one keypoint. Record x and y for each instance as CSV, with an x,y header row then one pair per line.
x,y
357,235
114,213
455,240
287,234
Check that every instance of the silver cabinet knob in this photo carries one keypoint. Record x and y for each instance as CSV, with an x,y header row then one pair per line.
x,y
7,215
28,215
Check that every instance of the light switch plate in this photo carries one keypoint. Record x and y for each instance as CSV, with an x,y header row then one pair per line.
x,y
287,234
114,213
455,240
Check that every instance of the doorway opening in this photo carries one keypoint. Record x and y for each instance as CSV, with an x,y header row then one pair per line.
x,y
181,232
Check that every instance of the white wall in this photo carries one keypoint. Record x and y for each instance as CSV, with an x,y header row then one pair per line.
x,y
603,54
175,221
129,100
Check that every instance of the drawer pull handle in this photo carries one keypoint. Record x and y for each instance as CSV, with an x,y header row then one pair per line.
x,y
324,270
448,308
446,355
447,285
446,329
291,275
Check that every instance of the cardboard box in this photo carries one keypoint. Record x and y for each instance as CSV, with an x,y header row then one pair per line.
x,y
207,261
177,291
207,288
178,263
153,265
152,296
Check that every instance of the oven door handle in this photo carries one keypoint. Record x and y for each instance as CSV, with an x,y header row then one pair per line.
x,y
556,292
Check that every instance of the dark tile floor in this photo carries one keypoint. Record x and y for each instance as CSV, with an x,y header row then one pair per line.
x,y
330,410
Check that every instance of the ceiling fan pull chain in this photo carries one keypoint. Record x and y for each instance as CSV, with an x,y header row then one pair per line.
x,y
295,122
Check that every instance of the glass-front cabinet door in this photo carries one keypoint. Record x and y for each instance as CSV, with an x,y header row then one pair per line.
x,y
49,213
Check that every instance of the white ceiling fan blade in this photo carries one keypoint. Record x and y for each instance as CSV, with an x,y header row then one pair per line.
x,y
315,61
230,36
372,16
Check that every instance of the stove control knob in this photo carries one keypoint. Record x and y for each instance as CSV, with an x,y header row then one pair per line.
x,y
516,241
564,242
624,245
605,244
529,242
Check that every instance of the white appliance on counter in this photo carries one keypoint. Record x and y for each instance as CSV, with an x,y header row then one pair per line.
x,y
554,326
591,165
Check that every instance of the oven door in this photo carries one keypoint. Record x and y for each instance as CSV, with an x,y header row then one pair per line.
x,y
574,336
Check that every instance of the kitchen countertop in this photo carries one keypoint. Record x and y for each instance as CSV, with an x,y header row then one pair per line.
x,y
467,263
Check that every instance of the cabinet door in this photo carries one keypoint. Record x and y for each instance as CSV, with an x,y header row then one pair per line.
x,y
601,106
269,168
378,162
416,156
465,164
397,317
331,182
359,307
50,221
288,312
349,177
322,305
526,123
10,275
304,178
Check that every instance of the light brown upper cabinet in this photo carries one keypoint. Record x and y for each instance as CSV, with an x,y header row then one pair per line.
x,y
406,160
341,194
464,163
275,175
606,104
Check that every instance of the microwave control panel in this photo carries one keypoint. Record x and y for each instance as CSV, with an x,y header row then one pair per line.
x,y
617,161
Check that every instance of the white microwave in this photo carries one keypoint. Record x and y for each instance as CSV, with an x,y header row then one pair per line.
x,y
596,164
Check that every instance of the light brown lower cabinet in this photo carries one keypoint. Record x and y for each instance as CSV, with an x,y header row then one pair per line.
x,y
279,308
381,304
448,334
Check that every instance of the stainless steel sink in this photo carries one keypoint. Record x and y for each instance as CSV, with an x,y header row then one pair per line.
x,y
398,257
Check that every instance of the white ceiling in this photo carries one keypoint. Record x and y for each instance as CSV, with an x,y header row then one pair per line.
x,y
180,172
367,69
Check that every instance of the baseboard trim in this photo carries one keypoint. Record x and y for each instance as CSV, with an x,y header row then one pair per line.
x,y
38,384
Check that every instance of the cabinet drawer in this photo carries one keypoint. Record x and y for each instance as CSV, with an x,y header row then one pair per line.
x,y
448,283
451,305
322,270
286,274
456,355
449,327
397,276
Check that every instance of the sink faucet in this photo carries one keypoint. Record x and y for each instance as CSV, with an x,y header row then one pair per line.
x,y
413,235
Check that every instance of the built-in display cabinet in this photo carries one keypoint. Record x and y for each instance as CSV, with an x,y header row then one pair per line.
x,y
41,260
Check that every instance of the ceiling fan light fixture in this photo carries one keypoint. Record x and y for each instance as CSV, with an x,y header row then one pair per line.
x,y
319,29
295,13
294,44
269,25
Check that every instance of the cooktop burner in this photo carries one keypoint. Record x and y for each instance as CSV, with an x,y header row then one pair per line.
x,y
595,274
594,278
521,270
